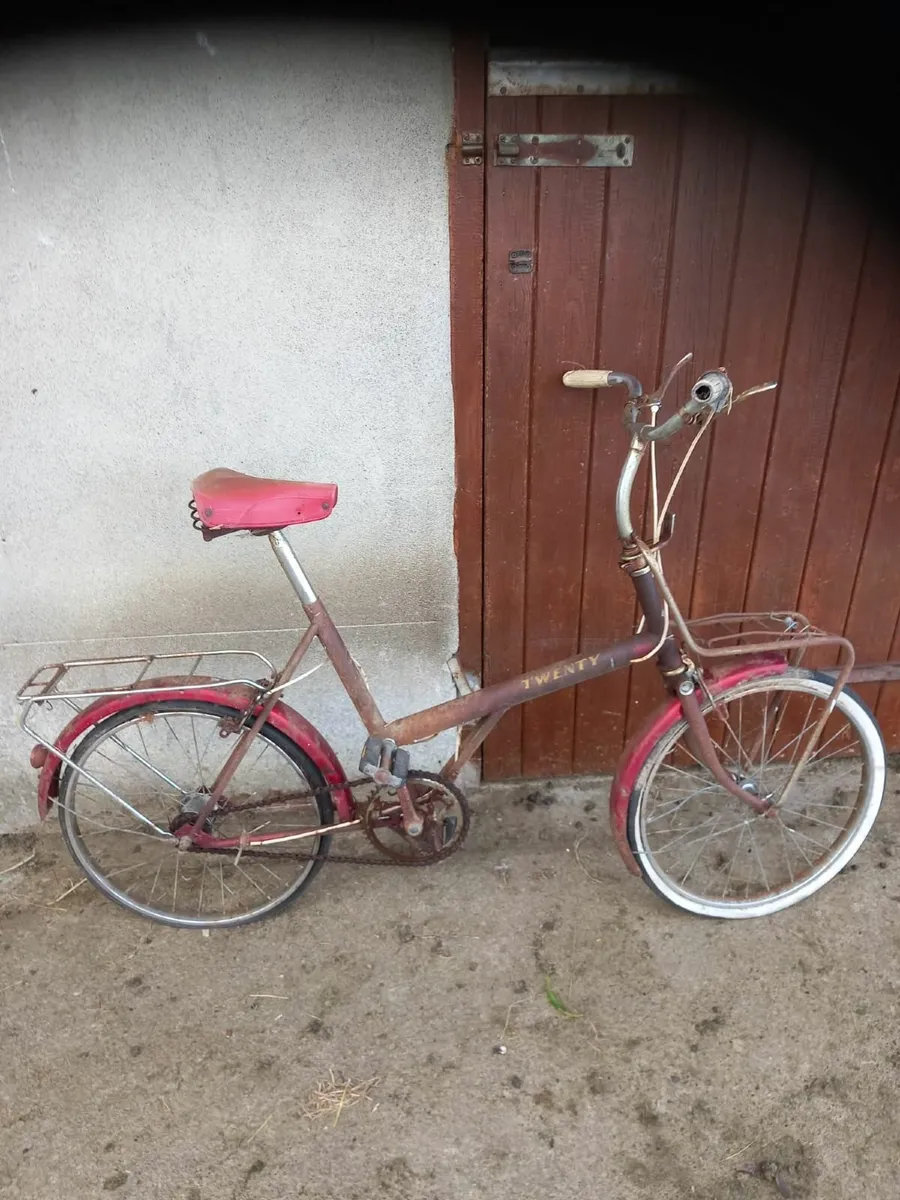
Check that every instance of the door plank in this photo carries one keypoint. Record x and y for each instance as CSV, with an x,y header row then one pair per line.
x,y
826,293
865,403
708,207
510,205
635,262
777,193
570,251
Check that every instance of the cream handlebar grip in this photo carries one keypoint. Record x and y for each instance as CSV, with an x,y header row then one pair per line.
x,y
587,379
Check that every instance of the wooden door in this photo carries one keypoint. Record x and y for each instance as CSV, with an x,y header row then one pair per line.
x,y
723,240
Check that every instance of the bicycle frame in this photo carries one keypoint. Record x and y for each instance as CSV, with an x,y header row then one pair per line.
x,y
481,709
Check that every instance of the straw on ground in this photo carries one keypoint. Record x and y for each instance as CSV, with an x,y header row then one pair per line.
x,y
331,1097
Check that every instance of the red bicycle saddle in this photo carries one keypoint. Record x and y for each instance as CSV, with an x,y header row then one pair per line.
x,y
227,500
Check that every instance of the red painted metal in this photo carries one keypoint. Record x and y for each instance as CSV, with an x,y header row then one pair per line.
x,y
285,719
228,499
634,755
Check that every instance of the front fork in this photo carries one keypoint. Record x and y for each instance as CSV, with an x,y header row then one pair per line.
x,y
702,745
678,676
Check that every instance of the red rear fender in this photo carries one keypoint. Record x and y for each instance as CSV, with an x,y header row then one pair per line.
x,y
238,697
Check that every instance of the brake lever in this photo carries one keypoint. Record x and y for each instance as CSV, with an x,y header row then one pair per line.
x,y
755,391
658,396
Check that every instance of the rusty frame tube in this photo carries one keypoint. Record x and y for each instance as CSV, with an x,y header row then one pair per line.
x,y
345,666
470,743
237,755
568,672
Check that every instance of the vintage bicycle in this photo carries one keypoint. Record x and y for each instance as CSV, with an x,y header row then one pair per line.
x,y
205,800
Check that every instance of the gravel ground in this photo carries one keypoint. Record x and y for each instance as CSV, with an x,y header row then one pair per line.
x,y
392,1035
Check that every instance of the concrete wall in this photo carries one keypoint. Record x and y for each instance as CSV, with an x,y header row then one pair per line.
x,y
225,248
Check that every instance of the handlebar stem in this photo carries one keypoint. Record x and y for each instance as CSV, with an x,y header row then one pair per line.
x,y
624,523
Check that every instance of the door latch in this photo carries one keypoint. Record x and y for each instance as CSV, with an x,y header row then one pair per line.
x,y
564,150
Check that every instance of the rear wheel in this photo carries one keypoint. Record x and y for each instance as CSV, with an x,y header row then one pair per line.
x,y
159,761
706,852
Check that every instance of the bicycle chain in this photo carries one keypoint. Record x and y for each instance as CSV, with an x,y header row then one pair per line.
x,y
360,860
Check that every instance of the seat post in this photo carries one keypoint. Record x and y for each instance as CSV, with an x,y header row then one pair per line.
x,y
284,552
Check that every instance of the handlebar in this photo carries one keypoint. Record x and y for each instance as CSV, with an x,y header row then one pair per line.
x,y
713,391
603,379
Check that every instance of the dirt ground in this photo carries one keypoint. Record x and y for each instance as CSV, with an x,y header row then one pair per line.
x,y
698,1060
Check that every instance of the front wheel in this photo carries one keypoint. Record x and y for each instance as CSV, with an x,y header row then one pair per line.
x,y
704,851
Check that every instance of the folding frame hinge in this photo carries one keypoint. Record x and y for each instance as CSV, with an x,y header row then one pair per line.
x,y
465,684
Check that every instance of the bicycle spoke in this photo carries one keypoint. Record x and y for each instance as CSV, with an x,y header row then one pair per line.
x,y
144,761
797,834
722,832
822,804
260,863
738,743
160,835
238,867
214,733
156,880
790,832
757,854
679,771
787,858
733,861
811,725
179,743
817,821
199,759
763,757
704,842
681,803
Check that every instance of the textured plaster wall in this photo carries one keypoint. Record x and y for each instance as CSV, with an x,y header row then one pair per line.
x,y
225,247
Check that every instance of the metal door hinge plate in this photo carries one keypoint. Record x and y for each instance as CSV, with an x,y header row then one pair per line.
x,y
564,150
516,74
472,145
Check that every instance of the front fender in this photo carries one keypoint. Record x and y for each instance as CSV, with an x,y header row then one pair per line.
x,y
639,746
238,696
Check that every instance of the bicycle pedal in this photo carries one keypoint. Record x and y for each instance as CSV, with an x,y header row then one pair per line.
x,y
384,763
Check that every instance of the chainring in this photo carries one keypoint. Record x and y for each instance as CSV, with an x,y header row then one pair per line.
x,y
444,809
